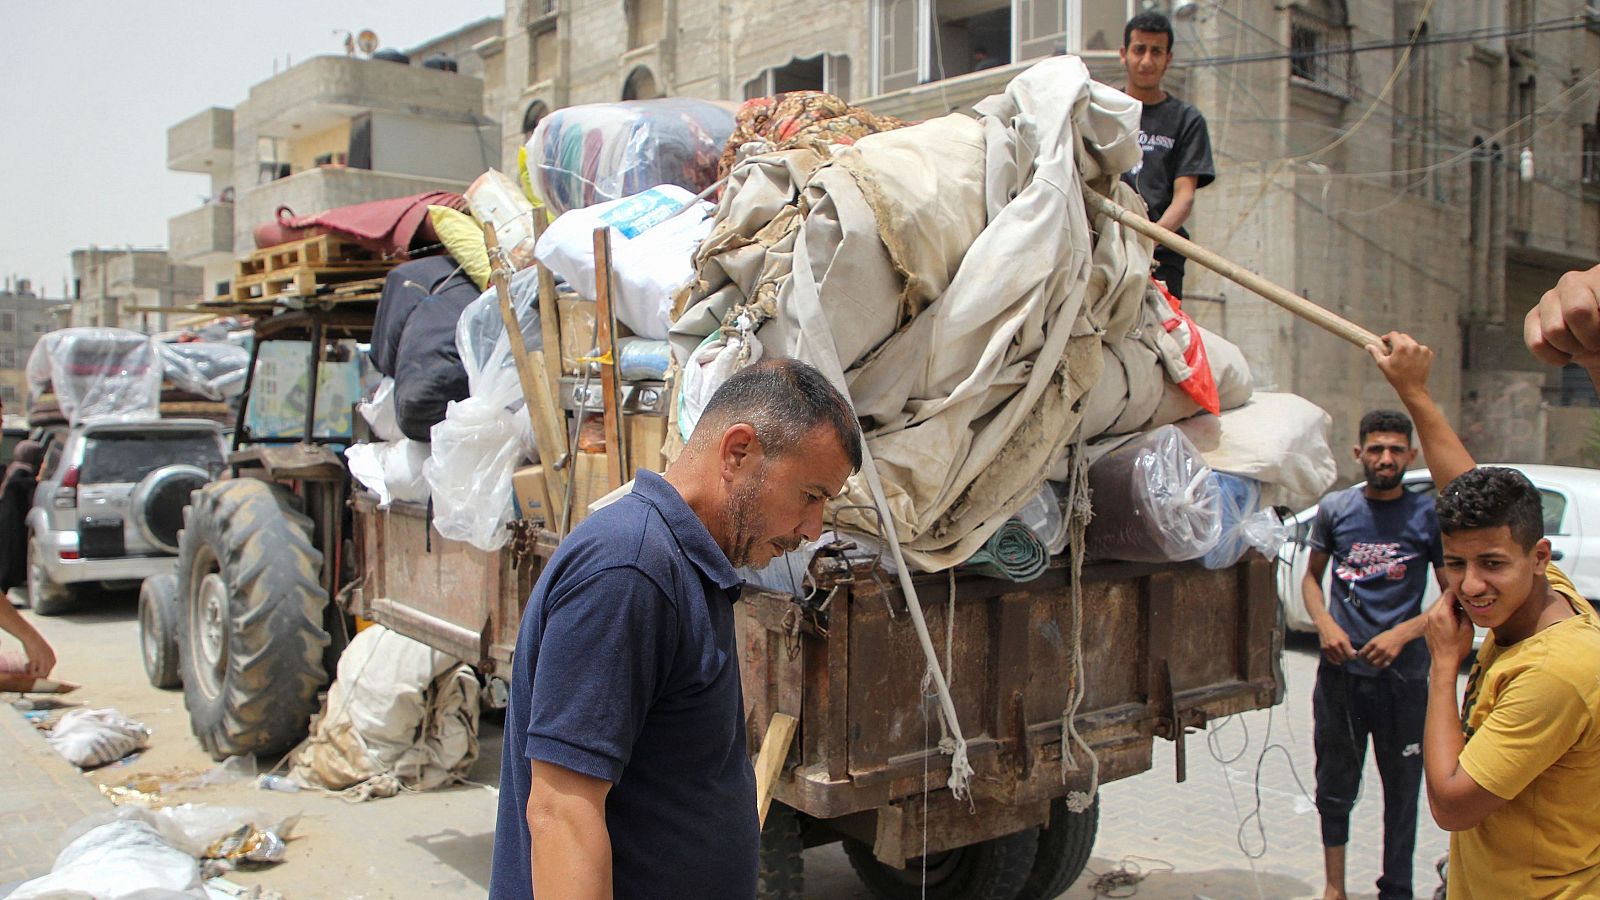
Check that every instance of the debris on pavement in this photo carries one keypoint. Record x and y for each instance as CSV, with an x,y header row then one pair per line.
x,y
90,738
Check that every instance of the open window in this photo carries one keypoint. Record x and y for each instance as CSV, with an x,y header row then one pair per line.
x,y
823,72
917,41
531,117
641,85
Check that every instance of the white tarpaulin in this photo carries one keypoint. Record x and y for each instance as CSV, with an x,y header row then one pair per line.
x,y
950,277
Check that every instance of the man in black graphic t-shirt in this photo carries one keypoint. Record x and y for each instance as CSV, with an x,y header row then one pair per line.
x,y
1173,135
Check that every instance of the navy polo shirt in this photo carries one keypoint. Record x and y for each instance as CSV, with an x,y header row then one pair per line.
x,y
626,669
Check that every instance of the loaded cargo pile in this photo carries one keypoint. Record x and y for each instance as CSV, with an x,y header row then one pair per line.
x,y
1022,383
112,374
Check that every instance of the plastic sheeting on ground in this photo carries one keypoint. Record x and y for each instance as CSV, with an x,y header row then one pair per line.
x,y
399,716
945,273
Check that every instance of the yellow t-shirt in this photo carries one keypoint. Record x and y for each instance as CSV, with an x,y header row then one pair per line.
x,y
1532,719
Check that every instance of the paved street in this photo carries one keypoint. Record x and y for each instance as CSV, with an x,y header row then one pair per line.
x,y
438,844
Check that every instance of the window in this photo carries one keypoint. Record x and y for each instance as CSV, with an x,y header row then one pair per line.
x,y
1417,118
1554,507
118,457
536,112
641,85
8,321
8,394
1591,151
917,41
8,357
646,21
544,63
1319,54
823,72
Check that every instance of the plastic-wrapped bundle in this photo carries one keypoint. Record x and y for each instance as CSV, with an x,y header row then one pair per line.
x,y
212,370
588,154
1154,501
1244,523
102,374
640,359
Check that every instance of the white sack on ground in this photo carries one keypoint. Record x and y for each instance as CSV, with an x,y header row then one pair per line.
x,y
1280,440
965,407
125,858
399,715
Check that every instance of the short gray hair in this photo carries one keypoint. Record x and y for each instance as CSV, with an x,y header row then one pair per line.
x,y
783,400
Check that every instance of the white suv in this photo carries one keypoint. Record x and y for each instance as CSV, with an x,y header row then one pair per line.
x,y
110,502
1571,522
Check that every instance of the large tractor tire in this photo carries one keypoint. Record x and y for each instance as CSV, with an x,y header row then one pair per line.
x,y
1064,847
990,870
251,630
782,874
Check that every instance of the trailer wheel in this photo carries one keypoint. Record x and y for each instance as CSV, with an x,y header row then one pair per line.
x,y
989,870
1064,847
158,630
251,633
782,870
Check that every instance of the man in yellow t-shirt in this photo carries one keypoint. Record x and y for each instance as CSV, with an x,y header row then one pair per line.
x,y
1516,777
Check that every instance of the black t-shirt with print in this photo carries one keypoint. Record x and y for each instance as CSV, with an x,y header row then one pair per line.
x,y
1176,143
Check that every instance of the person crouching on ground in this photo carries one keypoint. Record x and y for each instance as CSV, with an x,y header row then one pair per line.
x,y
1515,777
625,770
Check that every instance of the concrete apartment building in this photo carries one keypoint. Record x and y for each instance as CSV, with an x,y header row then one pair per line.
x,y
331,131
24,316
1384,183
126,288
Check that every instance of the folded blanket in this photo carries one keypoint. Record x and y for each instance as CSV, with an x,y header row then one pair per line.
x,y
1014,553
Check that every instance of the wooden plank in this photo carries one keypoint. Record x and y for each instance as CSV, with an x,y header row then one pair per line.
x,y
549,310
610,384
537,393
769,764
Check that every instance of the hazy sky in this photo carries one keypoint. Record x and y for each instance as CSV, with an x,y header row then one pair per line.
x,y
89,88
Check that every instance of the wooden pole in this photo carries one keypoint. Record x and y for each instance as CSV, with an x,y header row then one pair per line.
x,y
606,336
769,762
549,311
1300,306
537,393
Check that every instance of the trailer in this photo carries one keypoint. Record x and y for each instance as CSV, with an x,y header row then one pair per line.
x,y
1164,650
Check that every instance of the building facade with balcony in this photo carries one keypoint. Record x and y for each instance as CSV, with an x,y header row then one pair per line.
x,y
1368,158
133,289
331,131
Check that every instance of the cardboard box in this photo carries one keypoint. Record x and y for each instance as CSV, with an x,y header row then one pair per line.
x,y
590,483
533,494
646,435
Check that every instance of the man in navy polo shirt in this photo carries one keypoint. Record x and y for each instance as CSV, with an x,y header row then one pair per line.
x,y
625,770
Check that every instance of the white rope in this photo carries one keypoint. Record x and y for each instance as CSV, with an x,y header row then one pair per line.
x,y
1079,513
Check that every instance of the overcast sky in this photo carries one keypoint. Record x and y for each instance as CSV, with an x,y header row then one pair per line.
x,y
90,87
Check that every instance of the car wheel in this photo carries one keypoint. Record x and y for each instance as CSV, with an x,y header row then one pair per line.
x,y
988,870
45,596
158,630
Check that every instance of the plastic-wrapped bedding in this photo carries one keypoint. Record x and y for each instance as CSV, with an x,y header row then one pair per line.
x,y
1245,525
582,155
99,374
213,370
1154,500
404,287
428,372
1280,440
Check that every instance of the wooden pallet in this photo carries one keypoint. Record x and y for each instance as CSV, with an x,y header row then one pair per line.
x,y
324,251
308,282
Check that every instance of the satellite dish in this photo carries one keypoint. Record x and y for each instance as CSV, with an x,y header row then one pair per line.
x,y
367,41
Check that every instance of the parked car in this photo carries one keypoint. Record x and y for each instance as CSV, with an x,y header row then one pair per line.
x,y
1571,522
110,503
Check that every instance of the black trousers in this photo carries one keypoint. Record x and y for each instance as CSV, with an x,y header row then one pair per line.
x,y
1346,710
1169,268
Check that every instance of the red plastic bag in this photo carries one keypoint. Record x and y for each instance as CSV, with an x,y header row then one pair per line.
x,y
1200,384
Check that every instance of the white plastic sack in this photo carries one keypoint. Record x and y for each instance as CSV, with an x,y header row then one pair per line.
x,y
1245,525
379,412
394,470
89,738
494,197
1153,500
475,451
124,858
652,252
1046,516
1280,440
98,374
712,363
398,709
